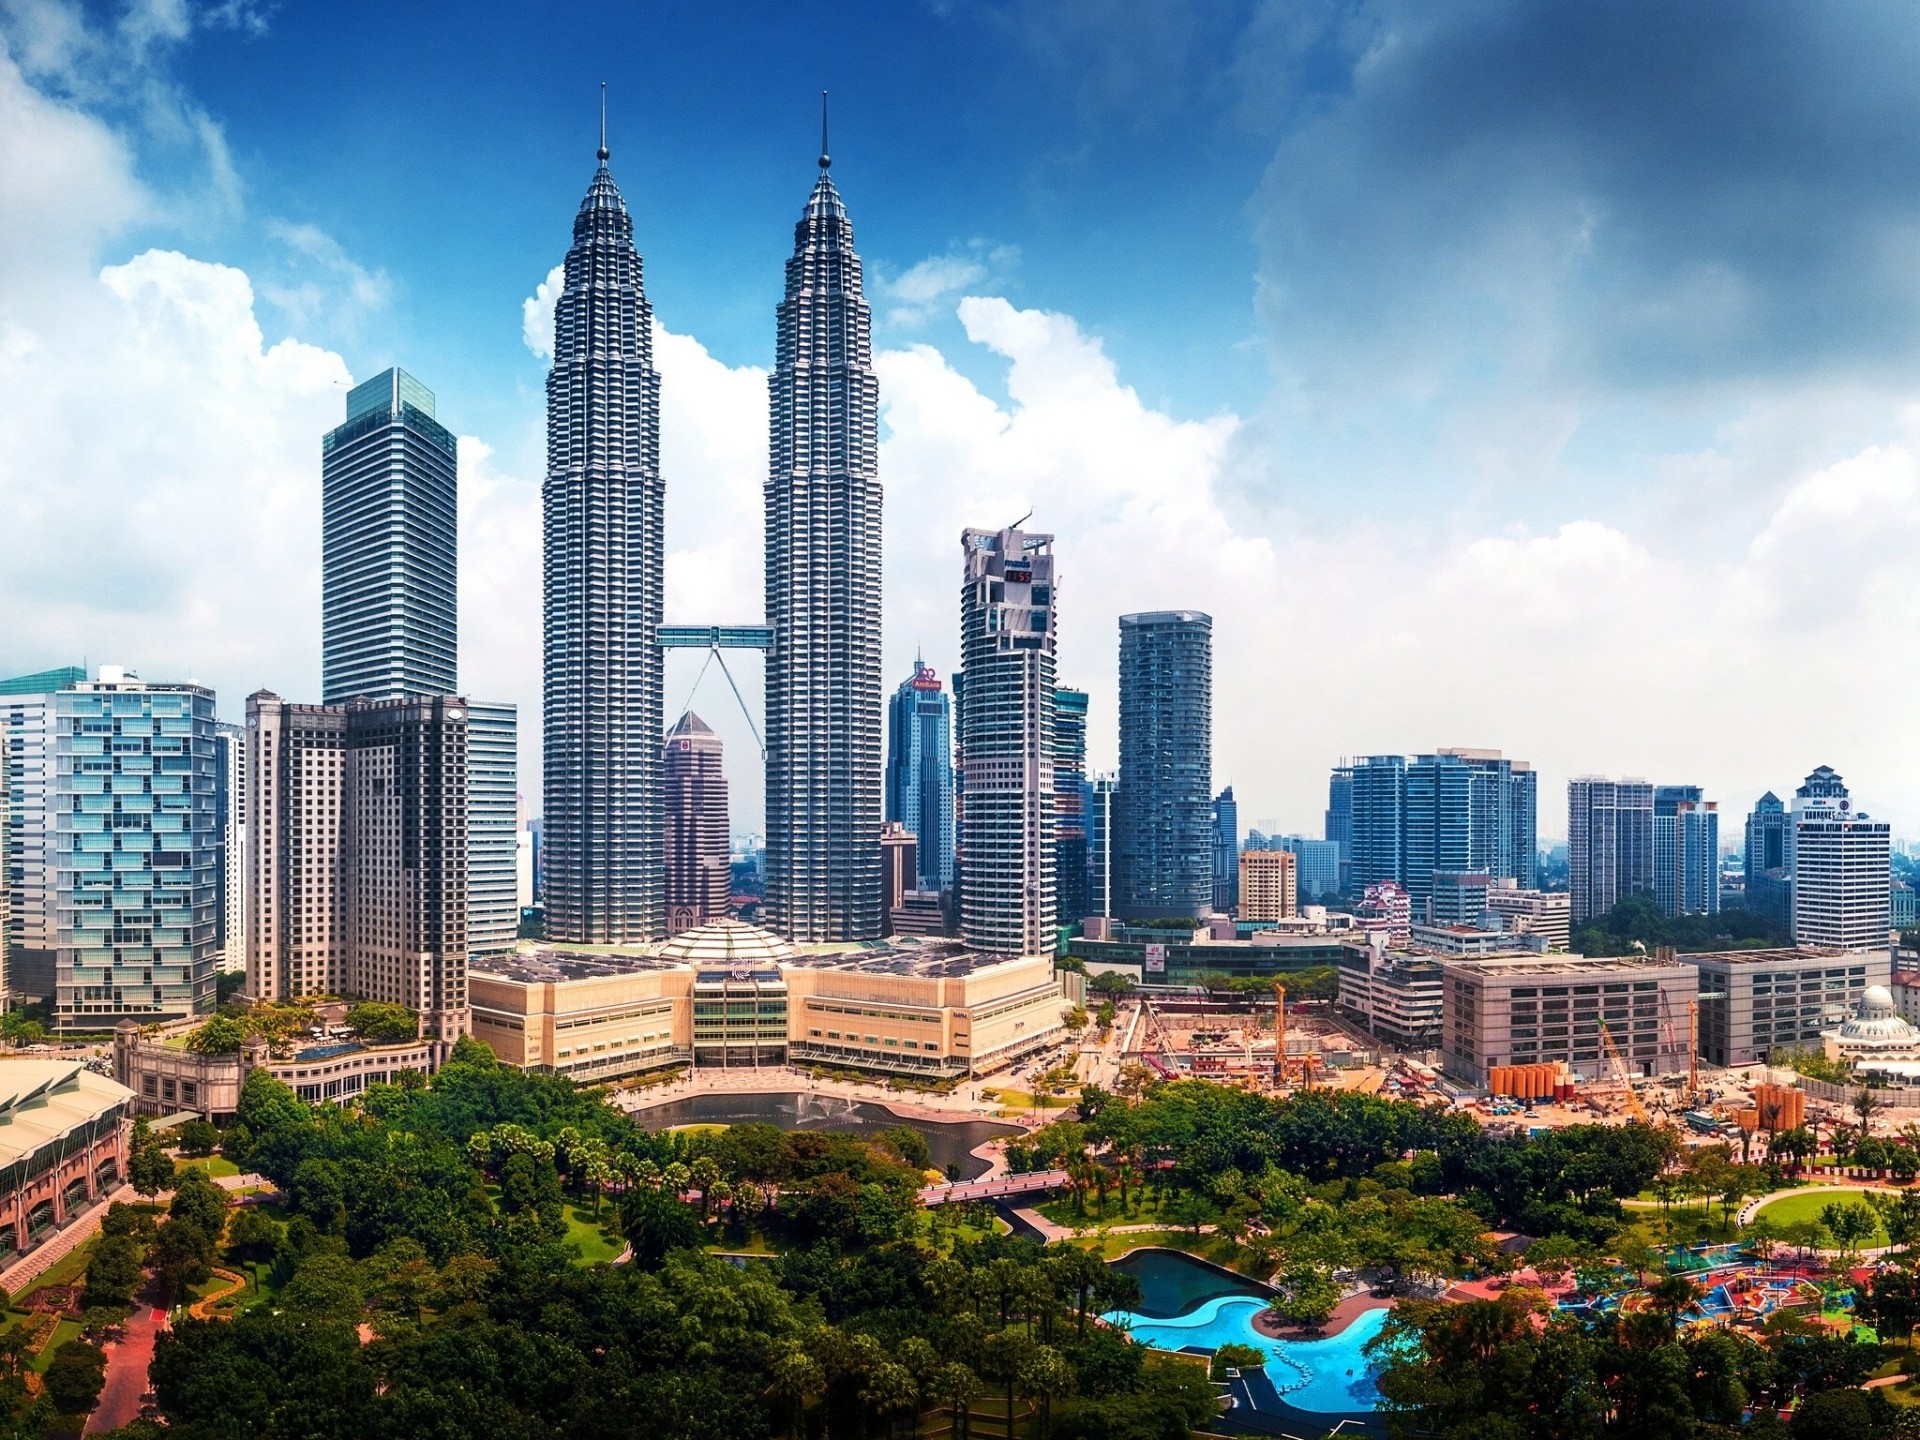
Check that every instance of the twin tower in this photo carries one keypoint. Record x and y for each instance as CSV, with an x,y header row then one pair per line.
x,y
603,503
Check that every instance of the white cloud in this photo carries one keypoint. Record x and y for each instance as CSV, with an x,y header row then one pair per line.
x,y
536,313
322,280
930,286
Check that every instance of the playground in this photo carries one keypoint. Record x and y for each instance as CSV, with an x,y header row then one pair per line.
x,y
1735,1287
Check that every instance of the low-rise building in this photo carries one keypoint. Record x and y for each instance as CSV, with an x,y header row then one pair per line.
x,y
63,1146
1456,940
1755,1001
1906,993
1523,1010
167,1078
729,994
1533,912
1396,996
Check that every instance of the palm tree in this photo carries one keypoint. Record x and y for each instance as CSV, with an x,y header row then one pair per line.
x,y
796,1377
1864,1106
1045,1373
957,1388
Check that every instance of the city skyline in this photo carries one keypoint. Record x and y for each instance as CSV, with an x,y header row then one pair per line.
x,y
295,290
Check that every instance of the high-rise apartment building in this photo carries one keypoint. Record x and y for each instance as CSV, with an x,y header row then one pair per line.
x,y
389,545
1007,638
1609,843
493,803
823,591
1102,791
699,865
1072,800
1339,822
1268,885
1456,810
26,771
297,852
358,828
135,852
1768,882
406,803
919,774
1316,862
1841,864
1226,853
230,806
602,506
1686,851
1163,831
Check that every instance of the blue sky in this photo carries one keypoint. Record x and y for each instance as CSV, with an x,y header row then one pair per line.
x,y
1497,374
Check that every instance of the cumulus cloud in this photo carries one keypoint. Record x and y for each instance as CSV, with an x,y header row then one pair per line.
x,y
536,313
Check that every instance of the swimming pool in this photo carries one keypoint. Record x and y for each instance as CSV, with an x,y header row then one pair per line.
x,y
1320,1375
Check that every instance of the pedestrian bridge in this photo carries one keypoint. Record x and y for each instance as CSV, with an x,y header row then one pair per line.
x,y
1025,1183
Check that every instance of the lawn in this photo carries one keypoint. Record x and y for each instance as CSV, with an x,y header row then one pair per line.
x,y
1142,1209
1807,1205
217,1166
596,1244
67,1270
1216,1248
66,1330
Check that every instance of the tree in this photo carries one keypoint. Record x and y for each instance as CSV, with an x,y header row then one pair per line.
x,y
252,1234
1891,1304
1864,1107
1797,1144
182,1257
382,1024
267,1103
197,1137
75,1376
199,1201
469,1051
1839,1415
1849,1223
1237,1357
957,1387
217,1036
1307,1296
149,1168
114,1270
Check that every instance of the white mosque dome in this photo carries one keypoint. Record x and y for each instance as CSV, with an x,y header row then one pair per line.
x,y
727,945
1875,1030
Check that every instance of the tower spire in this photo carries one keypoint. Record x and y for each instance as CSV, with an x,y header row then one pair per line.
x,y
825,159
603,123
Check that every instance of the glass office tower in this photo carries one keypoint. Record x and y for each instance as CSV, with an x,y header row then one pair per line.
x,y
389,546
919,777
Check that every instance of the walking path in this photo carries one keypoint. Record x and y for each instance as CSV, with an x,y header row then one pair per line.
x,y
31,1266
1747,1211
1052,1231
128,1360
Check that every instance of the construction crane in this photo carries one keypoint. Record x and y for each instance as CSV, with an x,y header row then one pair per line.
x,y
1638,1110
1693,1040
1280,1042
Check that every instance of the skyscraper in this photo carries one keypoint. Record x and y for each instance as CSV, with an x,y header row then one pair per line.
x,y
1456,811
823,590
1163,838
699,868
1339,823
358,862
1007,637
1609,843
26,866
1268,885
1101,792
1226,853
135,852
389,543
602,506
919,776
230,808
1840,858
493,798
1072,800
1686,851
1769,883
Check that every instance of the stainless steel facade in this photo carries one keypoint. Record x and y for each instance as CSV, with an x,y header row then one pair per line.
x,y
389,546
602,504
823,592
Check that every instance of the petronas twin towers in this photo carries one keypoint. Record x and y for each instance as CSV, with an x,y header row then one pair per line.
x,y
603,503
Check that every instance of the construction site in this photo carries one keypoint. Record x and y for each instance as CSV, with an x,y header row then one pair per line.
x,y
1235,1040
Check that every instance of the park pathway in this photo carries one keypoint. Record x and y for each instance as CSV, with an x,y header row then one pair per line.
x,y
1747,1211
128,1360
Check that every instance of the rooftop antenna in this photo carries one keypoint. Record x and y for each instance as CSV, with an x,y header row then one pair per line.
x,y
826,160
603,122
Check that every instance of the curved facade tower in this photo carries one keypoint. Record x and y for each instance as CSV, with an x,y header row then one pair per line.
x,y
823,592
603,505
